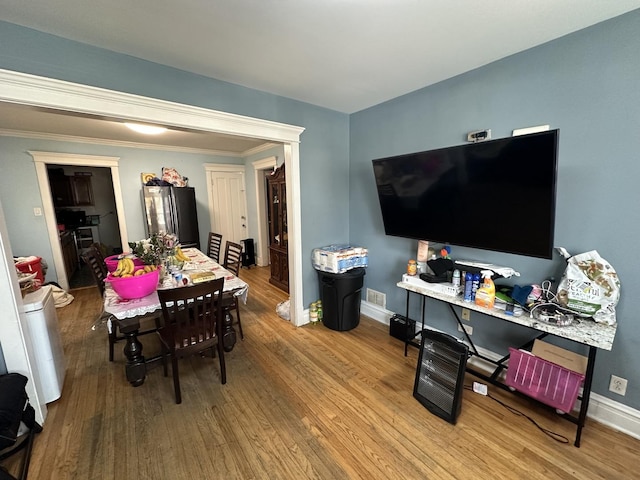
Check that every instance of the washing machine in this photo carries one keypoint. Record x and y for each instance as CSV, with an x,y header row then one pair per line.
x,y
40,312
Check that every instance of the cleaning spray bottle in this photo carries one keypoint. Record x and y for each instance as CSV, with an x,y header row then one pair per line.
x,y
486,294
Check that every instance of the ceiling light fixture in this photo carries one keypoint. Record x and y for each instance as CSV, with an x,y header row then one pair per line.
x,y
146,129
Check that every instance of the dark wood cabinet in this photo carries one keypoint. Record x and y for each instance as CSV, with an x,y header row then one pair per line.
x,y
278,234
81,190
61,190
70,190
69,252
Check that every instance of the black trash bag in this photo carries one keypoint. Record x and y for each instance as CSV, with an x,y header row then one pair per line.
x,y
14,408
13,399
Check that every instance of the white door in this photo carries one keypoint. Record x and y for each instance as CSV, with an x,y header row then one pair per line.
x,y
227,194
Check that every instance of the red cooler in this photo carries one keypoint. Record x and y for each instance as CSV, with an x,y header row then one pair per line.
x,y
32,266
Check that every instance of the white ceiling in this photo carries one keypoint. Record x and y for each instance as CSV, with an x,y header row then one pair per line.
x,y
345,55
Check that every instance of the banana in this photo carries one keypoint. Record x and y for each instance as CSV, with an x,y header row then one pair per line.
x,y
120,268
126,275
139,272
130,266
181,256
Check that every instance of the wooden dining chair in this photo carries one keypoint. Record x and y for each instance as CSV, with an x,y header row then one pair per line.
x,y
233,257
98,268
99,271
96,248
233,262
214,246
193,320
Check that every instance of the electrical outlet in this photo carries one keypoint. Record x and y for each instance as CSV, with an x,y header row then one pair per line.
x,y
37,211
466,314
618,385
467,328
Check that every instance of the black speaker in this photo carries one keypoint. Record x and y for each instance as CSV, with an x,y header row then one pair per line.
x,y
248,253
402,328
440,374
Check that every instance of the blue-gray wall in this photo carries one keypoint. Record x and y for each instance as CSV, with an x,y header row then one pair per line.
x,y
324,151
585,84
19,191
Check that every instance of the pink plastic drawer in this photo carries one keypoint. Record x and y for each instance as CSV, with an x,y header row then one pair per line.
x,y
545,381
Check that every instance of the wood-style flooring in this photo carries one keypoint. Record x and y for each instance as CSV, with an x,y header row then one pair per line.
x,y
299,403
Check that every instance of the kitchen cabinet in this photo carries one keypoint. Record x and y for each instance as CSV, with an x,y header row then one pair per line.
x,y
81,190
69,252
278,234
61,190
70,190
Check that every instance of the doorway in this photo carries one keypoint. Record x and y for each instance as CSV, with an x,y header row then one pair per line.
x,y
76,162
85,213
25,89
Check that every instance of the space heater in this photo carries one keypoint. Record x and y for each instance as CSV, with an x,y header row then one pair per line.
x,y
440,374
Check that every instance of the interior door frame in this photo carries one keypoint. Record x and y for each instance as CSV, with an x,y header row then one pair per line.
x,y
41,160
27,89
210,168
259,166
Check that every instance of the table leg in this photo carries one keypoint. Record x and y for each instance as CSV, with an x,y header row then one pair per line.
x,y
136,368
586,393
228,332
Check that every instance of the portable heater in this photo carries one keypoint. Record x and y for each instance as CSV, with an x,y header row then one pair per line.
x,y
440,374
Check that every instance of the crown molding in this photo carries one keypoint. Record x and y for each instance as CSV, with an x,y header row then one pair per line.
x,y
122,143
61,95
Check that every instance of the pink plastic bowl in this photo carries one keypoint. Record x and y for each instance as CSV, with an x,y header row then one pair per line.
x,y
135,287
112,262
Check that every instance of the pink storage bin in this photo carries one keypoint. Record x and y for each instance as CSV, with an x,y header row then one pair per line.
x,y
545,381
112,262
139,286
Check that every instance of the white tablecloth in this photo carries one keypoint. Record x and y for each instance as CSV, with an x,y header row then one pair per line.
x,y
199,262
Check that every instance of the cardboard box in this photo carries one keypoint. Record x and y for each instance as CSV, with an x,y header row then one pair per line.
x,y
565,358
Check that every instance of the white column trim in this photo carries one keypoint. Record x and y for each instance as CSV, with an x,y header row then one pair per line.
x,y
262,259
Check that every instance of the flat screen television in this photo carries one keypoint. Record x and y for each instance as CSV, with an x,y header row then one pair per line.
x,y
497,195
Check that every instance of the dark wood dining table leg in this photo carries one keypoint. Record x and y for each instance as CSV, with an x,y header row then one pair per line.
x,y
136,368
228,332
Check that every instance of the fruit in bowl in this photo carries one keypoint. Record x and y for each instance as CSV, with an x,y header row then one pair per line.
x,y
114,261
138,283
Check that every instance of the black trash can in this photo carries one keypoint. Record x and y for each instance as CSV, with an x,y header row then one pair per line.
x,y
340,295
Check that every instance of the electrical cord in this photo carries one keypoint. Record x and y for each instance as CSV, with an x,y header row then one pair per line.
x,y
555,436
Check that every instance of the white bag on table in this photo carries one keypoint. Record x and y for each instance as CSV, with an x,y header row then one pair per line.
x,y
589,286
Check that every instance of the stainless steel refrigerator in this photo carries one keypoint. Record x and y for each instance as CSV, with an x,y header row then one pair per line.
x,y
172,210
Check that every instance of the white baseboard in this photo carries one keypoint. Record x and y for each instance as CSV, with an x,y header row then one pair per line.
x,y
601,409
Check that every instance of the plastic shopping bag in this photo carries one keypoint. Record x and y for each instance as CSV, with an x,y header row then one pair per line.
x,y
590,286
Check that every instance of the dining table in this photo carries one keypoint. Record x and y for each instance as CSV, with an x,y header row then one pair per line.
x,y
127,314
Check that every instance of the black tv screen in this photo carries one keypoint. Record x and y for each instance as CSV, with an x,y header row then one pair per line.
x,y
496,195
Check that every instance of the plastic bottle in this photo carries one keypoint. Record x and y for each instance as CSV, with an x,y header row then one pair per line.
x,y
486,294
475,286
319,309
412,267
455,279
468,284
313,313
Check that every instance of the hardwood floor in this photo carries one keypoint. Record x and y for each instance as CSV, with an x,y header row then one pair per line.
x,y
299,403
